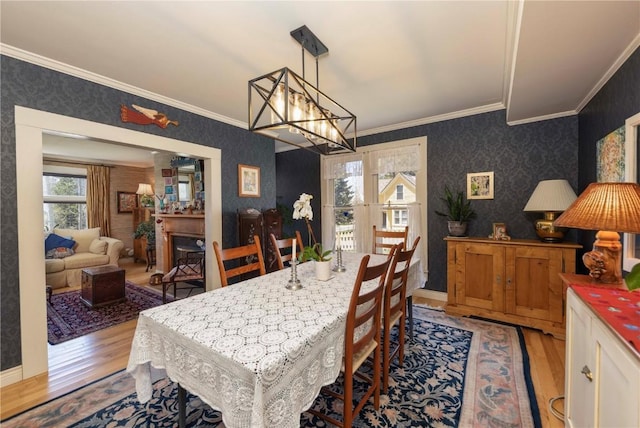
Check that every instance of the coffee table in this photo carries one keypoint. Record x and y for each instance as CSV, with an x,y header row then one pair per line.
x,y
102,285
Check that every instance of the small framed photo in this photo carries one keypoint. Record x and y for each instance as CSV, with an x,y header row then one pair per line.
x,y
197,176
168,190
480,185
248,181
168,181
500,232
127,202
167,172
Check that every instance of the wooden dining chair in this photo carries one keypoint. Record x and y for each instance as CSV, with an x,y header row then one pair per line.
x,y
284,244
395,309
362,340
239,260
384,240
190,270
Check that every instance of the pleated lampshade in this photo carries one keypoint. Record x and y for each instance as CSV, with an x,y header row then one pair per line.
x,y
605,206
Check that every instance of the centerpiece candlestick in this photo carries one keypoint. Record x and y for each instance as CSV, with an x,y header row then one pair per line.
x,y
339,266
294,282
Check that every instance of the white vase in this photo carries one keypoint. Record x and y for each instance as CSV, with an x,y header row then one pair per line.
x,y
323,270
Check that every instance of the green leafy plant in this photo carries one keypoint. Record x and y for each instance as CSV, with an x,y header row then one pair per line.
x,y
633,278
146,229
457,208
316,253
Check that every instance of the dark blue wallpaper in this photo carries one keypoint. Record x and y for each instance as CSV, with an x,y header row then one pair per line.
x,y
31,86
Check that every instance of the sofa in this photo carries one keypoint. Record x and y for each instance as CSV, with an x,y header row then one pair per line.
x,y
68,251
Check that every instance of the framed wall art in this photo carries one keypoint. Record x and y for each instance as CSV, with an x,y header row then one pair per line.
x,y
167,172
127,202
248,181
480,185
610,157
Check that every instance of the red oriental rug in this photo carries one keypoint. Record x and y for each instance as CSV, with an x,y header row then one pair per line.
x,y
68,317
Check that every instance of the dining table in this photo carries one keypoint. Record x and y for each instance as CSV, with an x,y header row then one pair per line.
x,y
256,351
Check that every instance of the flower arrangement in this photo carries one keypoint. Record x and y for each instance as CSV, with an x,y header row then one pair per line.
x,y
302,210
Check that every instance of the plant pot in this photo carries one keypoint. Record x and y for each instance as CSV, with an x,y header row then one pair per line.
x,y
457,228
323,270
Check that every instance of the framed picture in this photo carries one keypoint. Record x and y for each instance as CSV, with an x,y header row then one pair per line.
x,y
500,232
168,181
168,190
480,185
248,181
167,172
127,202
197,176
610,157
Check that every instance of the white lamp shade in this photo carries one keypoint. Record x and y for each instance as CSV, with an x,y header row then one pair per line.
x,y
551,195
144,189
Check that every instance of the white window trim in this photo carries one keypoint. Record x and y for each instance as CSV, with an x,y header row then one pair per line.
x,y
326,197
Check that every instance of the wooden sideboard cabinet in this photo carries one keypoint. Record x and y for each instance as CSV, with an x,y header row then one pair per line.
x,y
253,222
602,371
513,281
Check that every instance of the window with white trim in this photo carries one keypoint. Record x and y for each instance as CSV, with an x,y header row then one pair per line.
x,y
382,184
65,199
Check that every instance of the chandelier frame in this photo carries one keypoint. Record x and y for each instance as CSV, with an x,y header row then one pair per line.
x,y
285,106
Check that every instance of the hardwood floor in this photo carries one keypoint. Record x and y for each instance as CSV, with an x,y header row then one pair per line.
x,y
81,361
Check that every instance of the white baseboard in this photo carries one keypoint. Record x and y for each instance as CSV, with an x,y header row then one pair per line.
x,y
10,376
431,294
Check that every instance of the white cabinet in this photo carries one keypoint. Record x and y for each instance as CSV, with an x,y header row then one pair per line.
x,y
602,373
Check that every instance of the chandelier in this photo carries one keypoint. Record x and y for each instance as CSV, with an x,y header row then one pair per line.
x,y
284,106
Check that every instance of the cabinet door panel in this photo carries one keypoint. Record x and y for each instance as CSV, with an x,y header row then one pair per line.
x,y
479,276
580,392
533,287
616,381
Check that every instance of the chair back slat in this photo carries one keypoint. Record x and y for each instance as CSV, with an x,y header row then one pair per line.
x,y
285,244
384,240
249,256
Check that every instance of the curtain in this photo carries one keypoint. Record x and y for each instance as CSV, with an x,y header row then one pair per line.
x,y
329,229
342,166
394,160
361,229
98,214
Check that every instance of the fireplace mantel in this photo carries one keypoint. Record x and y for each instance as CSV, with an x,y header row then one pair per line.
x,y
191,225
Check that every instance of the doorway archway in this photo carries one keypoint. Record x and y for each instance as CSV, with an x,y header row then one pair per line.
x,y
30,126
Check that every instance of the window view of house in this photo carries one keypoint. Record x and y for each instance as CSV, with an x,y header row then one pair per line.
x,y
65,201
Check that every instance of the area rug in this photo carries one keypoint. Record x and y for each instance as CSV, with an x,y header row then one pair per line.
x,y
457,372
68,317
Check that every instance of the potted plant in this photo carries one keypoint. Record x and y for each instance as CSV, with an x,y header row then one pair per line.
x,y
458,212
146,229
314,251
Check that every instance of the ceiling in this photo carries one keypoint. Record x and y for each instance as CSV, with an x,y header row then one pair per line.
x,y
393,64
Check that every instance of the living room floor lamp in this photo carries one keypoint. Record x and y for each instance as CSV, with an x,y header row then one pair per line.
x,y
609,208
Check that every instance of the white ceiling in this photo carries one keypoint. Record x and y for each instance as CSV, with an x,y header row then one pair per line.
x,y
393,64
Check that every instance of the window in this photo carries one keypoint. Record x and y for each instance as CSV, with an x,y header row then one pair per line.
x,y
65,200
383,184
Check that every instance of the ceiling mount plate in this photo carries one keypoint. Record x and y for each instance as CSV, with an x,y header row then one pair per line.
x,y
309,41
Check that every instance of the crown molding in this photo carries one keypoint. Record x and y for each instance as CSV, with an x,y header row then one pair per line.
x,y
111,83
610,72
432,119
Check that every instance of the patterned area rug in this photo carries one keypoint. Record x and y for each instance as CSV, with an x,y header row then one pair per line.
x,y
68,317
457,372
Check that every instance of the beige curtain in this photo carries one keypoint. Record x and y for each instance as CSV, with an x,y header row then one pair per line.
x,y
98,198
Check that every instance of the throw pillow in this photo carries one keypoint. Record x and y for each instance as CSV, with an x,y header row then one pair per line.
x,y
54,241
83,237
98,247
59,253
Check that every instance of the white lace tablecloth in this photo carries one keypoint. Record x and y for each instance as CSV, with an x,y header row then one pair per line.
x,y
256,351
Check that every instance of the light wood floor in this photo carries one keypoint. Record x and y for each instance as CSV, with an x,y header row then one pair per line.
x,y
80,361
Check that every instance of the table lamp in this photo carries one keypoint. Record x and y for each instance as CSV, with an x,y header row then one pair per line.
x,y
609,208
550,197
145,191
